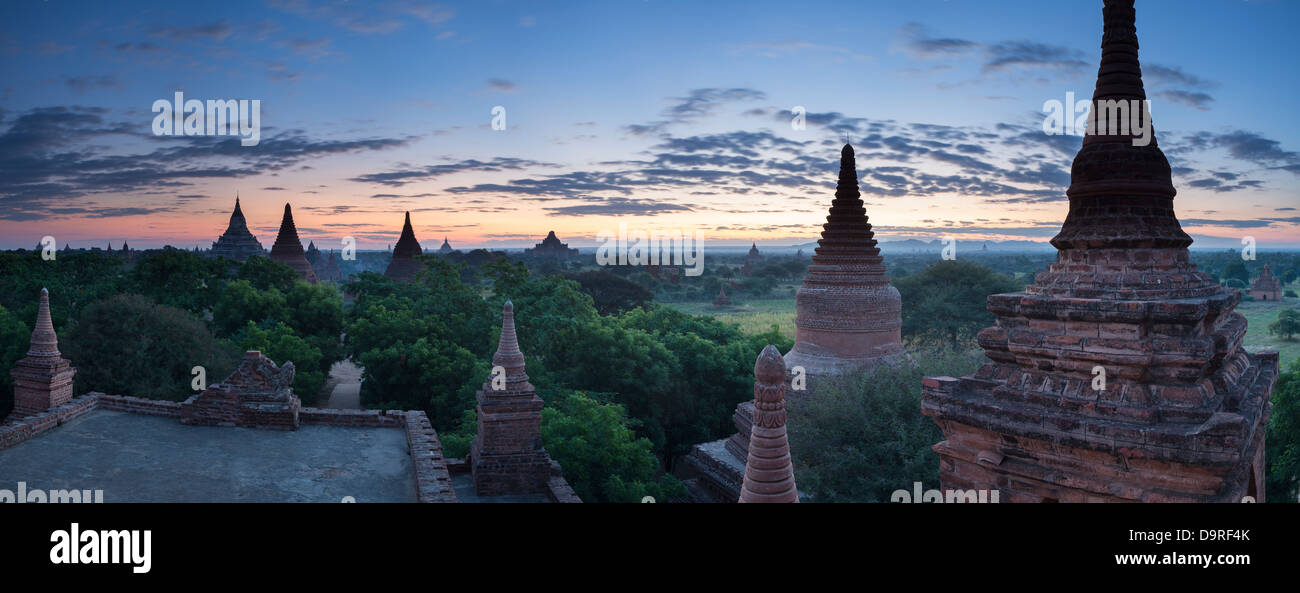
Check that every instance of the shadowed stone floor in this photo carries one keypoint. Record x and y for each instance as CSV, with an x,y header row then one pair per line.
x,y
464,486
139,458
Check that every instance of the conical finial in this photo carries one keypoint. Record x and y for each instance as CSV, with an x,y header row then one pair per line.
x,y
848,183
508,355
769,471
407,245
45,344
1121,188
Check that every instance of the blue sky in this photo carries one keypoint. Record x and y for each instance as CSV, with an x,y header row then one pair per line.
x,y
667,115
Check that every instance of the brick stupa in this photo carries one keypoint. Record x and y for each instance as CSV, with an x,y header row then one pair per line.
x,y
42,380
1119,374
404,265
237,243
288,248
848,316
506,456
769,471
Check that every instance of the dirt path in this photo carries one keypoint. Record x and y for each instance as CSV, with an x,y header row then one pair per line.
x,y
346,394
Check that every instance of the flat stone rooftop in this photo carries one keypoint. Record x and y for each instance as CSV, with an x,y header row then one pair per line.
x,y
142,458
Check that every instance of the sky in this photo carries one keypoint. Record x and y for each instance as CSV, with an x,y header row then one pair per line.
x,y
661,115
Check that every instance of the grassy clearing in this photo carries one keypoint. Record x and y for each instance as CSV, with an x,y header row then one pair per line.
x,y
1258,317
753,317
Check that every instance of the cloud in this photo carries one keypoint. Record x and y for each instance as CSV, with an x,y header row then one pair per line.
x,y
1198,100
697,104
617,207
404,176
501,85
82,84
215,31
919,43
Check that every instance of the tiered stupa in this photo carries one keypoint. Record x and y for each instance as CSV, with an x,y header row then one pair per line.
x,y
769,471
506,456
405,266
237,243
1266,287
848,316
288,248
42,380
1119,374
446,247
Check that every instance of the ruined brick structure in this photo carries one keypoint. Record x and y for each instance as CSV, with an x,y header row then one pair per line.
x,y
1119,373
257,394
288,248
769,471
848,317
506,456
43,379
1266,287
404,266
237,243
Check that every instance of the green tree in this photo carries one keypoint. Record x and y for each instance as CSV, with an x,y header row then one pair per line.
x,y
1287,324
15,339
433,375
1282,445
129,345
179,278
242,302
1288,276
265,274
610,292
947,301
1236,270
863,437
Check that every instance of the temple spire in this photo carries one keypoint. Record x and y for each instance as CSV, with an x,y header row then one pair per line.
x,y
769,471
45,344
288,248
508,355
1121,188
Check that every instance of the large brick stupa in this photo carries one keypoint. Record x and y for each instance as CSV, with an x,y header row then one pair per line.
x,y
1118,374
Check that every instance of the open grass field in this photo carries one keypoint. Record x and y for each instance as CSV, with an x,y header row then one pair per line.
x,y
753,317
1258,317
757,316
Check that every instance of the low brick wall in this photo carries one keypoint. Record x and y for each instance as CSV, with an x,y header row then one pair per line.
x,y
369,418
560,491
138,405
432,480
17,430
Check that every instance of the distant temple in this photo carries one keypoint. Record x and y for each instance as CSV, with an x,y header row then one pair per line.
x,y
721,300
552,248
404,265
330,271
42,380
1119,374
237,243
288,248
446,247
1266,287
848,318
315,258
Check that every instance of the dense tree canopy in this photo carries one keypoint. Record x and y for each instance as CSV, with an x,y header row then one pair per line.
x,y
947,302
